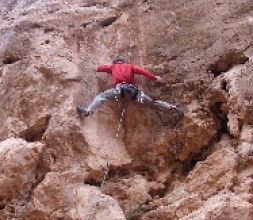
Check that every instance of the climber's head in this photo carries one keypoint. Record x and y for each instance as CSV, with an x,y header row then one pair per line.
x,y
118,60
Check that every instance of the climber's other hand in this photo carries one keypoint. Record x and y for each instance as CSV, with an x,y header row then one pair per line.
x,y
159,79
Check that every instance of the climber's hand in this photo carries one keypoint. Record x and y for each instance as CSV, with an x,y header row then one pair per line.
x,y
159,79
180,111
173,106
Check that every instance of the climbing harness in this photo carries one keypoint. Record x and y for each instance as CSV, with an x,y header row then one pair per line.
x,y
129,91
140,97
126,91
106,172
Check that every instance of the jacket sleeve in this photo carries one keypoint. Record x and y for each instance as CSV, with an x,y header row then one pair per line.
x,y
144,72
105,68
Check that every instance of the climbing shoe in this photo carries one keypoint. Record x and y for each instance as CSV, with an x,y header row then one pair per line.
x,y
180,112
164,105
82,112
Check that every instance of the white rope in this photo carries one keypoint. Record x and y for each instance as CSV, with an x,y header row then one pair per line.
x,y
131,45
105,175
120,122
117,136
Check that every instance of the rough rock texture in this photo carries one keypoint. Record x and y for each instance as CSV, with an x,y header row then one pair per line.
x,y
55,165
72,200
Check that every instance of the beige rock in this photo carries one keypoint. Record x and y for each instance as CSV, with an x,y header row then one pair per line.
x,y
12,128
19,167
247,133
196,132
223,207
214,174
132,193
48,54
208,177
174,206
71,199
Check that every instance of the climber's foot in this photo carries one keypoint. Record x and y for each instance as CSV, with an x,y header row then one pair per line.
x,y
82,112
164,105
180,112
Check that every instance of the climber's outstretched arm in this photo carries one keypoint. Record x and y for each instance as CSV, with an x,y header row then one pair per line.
x,y
105,68
141,71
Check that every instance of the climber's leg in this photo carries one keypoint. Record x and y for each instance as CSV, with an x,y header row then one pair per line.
x,y
145,99
98,101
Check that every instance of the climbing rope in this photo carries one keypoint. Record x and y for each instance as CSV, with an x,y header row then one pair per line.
x,y
120,122
131,45
105,175
106,172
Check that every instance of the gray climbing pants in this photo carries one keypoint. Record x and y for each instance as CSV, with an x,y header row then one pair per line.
x,y
115,94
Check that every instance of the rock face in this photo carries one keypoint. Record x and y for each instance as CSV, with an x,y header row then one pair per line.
x,y
55,165
72,200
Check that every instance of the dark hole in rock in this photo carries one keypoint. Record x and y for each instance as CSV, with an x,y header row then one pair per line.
x,y
11,209
190,164
224,86
251,154
2,206
221,117
108,21
47,41
159,192
48,29
85,24
251,200
94,178
36,25
33,136
88,4
226,62
35,132
92,182
10,59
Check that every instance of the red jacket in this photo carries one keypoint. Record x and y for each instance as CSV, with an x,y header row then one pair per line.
x,y
125,72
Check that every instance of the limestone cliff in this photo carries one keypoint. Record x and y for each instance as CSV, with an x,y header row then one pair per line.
x,y
55,165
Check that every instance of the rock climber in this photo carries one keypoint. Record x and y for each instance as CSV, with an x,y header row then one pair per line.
x,y
124,87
